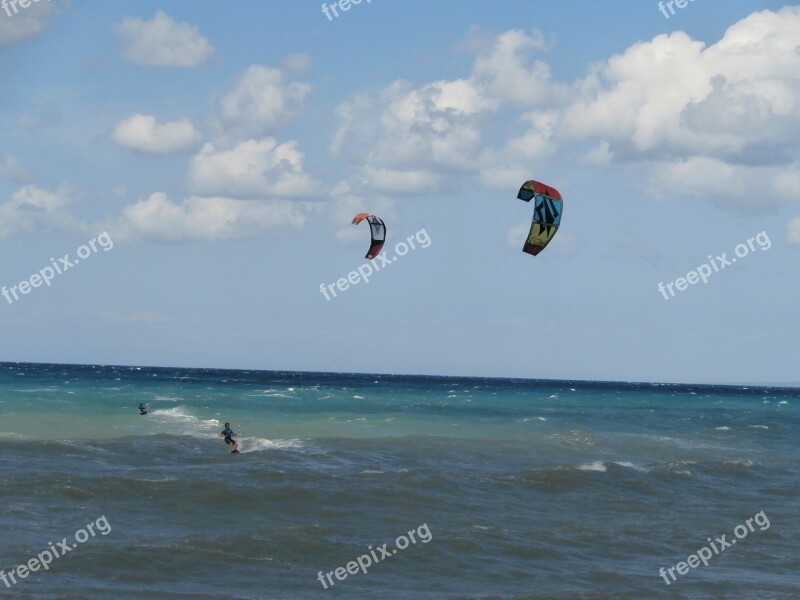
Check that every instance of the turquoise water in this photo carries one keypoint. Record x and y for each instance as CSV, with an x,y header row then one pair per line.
x,y
529,489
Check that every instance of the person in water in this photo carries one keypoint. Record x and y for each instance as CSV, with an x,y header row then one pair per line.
x,y
228,433
142,409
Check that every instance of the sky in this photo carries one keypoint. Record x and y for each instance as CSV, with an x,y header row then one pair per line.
x,y
178,181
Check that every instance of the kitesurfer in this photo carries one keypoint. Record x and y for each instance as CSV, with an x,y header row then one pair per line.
x,y
228,434
142,409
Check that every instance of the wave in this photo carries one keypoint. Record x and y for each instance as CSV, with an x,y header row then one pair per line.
x,y
247,445
190,424
601,466
597,465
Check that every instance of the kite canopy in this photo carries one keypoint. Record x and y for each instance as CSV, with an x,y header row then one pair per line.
x,y
547,210
377,230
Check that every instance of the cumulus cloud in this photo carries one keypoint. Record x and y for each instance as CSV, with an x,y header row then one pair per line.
x,y
710,121
416,139
157,218
25,22
32,208
736,186
163,42
725,117
143,134
262,100
410,139
252,169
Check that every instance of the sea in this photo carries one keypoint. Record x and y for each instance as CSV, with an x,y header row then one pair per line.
x,y
392,486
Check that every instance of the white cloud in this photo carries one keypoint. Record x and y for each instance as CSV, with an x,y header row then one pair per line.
x,y
32,208
725,117
142,133
25,22
252,169
425,138
203,219
508,76
712,121
411,140
13,170
736,186
262,100
163,42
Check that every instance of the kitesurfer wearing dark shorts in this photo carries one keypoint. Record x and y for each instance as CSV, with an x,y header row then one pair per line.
x,y
228,434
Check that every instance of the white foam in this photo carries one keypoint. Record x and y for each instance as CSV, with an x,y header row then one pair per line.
x,y
594,466
722,428
740,463
247,445
630,465
191,425
758,426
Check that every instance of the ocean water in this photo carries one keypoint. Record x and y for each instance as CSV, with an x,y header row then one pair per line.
x,y
511,488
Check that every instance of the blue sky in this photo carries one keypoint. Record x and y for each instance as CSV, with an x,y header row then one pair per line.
x,y
224,148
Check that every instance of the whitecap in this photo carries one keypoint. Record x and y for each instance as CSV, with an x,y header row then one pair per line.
x,y
630,465
594,466
247,445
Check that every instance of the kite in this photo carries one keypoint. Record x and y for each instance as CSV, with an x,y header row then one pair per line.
x,y
547,210
377,230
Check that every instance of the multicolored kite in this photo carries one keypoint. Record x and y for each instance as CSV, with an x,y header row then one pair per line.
x,y
547,210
